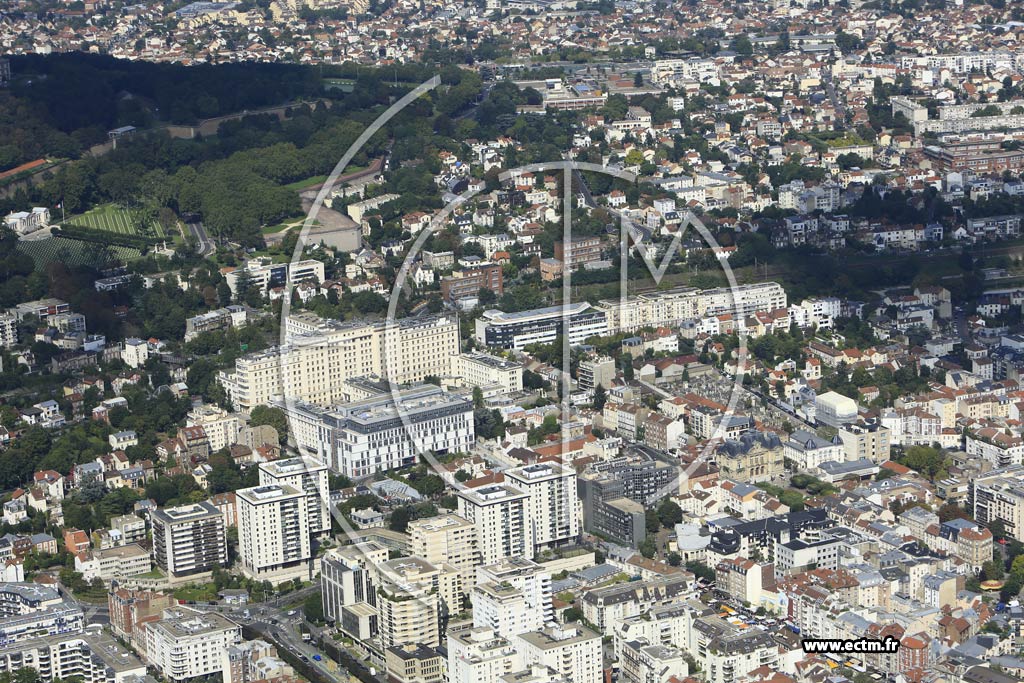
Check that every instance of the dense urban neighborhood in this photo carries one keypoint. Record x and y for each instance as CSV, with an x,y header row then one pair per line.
x,y
517,341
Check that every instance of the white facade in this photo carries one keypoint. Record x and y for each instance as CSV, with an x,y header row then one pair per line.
x,y
446,539
187,643
553,517
189,539
499,514
483,369
819,313
264,275
479,655
134,352
25,222
88,657
835,409
221,427
384,432
570,649
540,326
809,450
273,533
309,476
659,309
8,330
321,355
512,597
30,610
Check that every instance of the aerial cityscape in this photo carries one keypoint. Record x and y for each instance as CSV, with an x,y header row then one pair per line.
x,y
512,341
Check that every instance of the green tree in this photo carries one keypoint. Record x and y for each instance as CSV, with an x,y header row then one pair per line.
x,y
273,417
926,460
313,608
701,570
992,570
669,513
652,523
400,519
742,46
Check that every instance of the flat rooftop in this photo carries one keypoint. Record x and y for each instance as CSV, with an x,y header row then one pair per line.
x,y
267,493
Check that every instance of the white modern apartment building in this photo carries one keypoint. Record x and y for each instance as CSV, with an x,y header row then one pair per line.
x,y
189,539
348,587
309,476
479,655
799,555
498,511
447,539
512,596
484,370
273,533
263,274
221,427
87,657
816,312
729,658
650,310
321,355
577,321
999,495
113,563
135,352
642,662
658,309
962,62
572,650
594,372
29,610
8,330
868,440
671,72
409,603
742,299
386,431
553,517
187,643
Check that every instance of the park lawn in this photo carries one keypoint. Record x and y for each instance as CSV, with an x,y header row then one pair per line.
x,y
287,225
154,573
280,227
306,182
92,595
299,185
200,593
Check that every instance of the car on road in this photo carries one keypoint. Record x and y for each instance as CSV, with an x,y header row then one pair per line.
x,y
291,613
317,658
